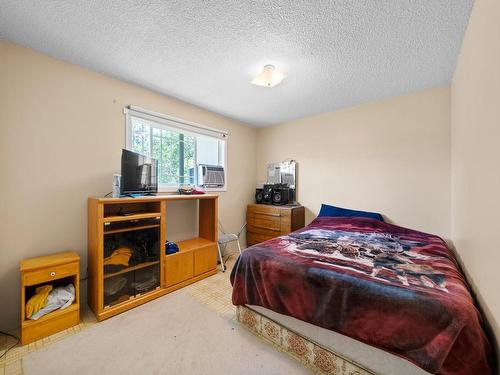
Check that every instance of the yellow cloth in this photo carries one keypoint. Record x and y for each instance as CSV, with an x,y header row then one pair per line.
x,y
38,301
120,256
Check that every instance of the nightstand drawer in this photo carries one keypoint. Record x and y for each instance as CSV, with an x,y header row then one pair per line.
x,y
51,323
50,273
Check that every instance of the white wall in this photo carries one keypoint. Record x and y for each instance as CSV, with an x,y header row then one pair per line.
x,y
475,148
392,157
61,133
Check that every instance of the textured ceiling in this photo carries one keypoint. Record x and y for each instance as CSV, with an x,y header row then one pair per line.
x,y
335,53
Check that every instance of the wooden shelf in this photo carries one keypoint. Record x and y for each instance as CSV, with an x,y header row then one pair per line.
x,y
130,269
110,310
130,229
117,304
197,256
51,315
194,244
137,216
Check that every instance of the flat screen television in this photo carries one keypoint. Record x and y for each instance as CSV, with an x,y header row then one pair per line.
x,y
139,173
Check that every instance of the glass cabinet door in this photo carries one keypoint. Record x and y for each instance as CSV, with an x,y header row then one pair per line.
x,y
131,256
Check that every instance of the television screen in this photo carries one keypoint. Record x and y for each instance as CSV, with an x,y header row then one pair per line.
x,y
139,173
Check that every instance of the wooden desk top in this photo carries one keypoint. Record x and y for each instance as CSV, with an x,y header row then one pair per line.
x,y
152,198
49,260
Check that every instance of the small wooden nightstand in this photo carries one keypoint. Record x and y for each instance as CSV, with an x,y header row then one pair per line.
x,y
56,269
265,221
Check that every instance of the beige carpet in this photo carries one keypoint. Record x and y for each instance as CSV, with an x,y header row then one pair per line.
x,y
174,334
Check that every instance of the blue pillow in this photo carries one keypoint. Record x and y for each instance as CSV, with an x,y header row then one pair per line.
x,y
327,210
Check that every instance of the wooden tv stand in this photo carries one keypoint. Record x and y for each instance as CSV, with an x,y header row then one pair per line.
x,y
114,223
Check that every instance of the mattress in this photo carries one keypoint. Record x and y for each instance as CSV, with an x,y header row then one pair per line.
x,y
375,360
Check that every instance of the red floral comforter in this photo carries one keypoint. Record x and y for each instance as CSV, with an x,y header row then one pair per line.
x,y
384,285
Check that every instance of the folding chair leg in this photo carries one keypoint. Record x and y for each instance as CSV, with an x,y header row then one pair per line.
x,y
239,247
222,265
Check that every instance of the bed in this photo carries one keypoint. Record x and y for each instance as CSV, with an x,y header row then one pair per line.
x,y
363,293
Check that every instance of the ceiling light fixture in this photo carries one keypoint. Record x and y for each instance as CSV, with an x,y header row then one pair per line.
x,y
269,77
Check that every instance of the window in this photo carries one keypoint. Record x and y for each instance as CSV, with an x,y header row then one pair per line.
x,y
179,146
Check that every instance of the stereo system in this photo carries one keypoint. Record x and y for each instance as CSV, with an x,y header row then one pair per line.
x,y
258,195
267,194
280,186
281,195
277,194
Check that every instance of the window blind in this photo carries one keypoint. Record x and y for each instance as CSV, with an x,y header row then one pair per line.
x,y
177,123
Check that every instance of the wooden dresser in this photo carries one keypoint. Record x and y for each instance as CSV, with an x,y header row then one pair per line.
x,y
265,221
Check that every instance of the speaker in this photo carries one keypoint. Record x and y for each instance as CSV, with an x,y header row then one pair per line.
x,y
281,195
267,194
259,196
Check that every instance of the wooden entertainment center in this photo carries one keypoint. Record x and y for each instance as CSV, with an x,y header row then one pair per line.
x,y
127,264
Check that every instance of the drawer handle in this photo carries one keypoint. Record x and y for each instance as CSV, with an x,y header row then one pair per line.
x,y
263,227
267,214
52,274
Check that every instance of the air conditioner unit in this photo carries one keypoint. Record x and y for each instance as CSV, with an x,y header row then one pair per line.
x,y
210,176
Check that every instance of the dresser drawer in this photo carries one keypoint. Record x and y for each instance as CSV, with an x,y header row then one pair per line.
x,y
274,221
255,238
264,227
265,222
271,223
264,211
50,273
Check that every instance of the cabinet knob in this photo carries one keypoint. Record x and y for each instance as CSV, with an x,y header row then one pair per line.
x,y
52,274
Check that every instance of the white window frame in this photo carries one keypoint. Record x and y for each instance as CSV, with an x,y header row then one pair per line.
x,y
186,127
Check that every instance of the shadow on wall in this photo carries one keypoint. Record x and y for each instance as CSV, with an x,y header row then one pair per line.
x,y
388,220
59,223
483,309
309,215
10,281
